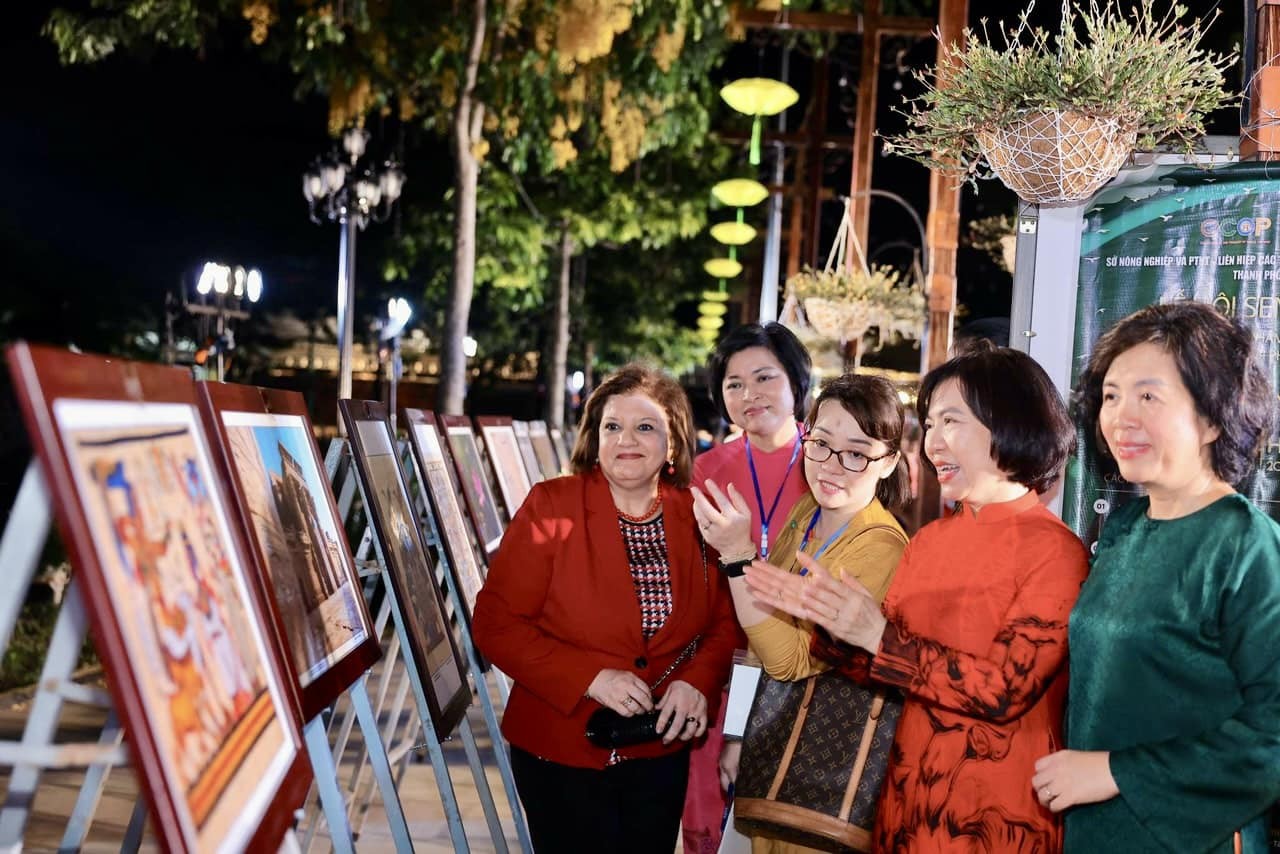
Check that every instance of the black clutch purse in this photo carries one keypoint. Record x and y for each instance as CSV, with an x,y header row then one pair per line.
x,y
608,729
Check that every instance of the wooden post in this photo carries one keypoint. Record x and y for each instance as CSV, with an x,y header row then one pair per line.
x,y
943,225
864,124
1260,140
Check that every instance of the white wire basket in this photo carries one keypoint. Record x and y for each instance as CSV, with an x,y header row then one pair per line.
x,y
1057,157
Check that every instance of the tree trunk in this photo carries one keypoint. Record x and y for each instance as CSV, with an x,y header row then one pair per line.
x,y
467,125
558,374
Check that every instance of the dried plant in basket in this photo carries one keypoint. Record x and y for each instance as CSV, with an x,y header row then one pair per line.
x,y
843,304
1055,117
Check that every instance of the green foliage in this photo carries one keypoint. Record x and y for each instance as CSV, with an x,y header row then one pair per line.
x,y
1148,71
24,657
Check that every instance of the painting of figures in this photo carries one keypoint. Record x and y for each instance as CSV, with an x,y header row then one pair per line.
x,y
175,612
475,483
444,503
504,456
409,568
312,575
544,450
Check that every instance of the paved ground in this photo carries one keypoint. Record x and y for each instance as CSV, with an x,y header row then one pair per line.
x,y
418,793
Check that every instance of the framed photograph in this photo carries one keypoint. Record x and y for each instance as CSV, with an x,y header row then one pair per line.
x,y
546,453
532,466
563,445
433,466
477,490
504,455
440,669
194,666
283,497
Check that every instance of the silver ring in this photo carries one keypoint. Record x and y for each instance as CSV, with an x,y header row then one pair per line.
x,y
1048,795
628,702
691,720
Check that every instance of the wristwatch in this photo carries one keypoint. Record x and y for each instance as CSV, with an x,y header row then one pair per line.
x,y
735,569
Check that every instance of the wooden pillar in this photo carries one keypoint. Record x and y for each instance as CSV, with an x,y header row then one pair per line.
x,y
1262,140
943,225
817,134
864,124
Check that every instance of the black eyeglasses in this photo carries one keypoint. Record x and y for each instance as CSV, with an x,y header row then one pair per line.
x,y
819,451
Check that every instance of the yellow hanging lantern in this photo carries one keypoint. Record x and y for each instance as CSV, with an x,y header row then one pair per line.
x,y
715,296
723,268
757,97
740,192
733,233
710,323
712,309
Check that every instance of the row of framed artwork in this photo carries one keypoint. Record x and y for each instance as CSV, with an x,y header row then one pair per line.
x,y
222,594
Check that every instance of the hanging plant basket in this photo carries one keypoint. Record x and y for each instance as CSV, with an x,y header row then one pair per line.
x,y
839,321
1054,116
1057,157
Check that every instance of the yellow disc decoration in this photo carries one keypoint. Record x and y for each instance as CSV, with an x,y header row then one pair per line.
x,y
759,96
711,323
733,233
715,296
712,309
723,268
740,192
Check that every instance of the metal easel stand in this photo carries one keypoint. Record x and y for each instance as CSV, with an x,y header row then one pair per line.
x,y
24,538
448,578
325,758
441,768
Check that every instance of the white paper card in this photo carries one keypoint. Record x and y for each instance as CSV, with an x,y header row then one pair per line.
x,y
742,690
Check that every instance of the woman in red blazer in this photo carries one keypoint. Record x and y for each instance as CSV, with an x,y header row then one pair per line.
x,y
601,585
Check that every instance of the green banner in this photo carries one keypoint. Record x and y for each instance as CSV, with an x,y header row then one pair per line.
x,y
1181,233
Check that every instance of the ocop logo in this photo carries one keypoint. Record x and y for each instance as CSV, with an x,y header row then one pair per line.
x,y
1247,226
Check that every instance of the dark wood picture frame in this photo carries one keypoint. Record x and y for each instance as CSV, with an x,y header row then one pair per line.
x,y
477,486
287,509
503,450
441,670
216,741
532,465
436,474
545,450
563,448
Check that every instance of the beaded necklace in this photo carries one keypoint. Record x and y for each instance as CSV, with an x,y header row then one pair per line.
x,y
645,516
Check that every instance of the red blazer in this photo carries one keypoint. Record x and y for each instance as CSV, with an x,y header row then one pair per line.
x,y
559,605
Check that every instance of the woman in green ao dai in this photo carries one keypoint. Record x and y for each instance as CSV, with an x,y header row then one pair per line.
x,y
1173,715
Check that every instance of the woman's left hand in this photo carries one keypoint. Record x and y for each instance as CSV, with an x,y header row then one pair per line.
x,y
1072,777
682,712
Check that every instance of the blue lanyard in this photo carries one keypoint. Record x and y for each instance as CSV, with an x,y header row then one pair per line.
x,y
777,496
813,523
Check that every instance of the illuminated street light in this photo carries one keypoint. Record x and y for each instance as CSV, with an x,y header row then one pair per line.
x,y
223,293
348,189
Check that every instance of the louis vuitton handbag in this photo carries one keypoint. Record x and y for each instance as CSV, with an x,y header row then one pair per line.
x,y
814,756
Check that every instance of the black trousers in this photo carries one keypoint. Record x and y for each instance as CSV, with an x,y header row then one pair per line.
x,y
633,807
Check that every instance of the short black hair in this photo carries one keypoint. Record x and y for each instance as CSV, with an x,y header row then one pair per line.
x,y
874,404
1031,433
1217,364
778,340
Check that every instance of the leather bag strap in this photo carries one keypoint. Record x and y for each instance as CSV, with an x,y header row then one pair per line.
x,y
796,728
860,761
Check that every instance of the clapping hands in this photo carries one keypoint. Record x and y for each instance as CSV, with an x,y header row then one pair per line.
x,y
845,608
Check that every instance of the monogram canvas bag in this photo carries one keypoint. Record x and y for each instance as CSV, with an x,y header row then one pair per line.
x,y
814,756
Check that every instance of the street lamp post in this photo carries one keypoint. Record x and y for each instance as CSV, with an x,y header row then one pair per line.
x,y
390,329
348,189
223,292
